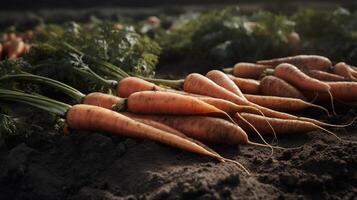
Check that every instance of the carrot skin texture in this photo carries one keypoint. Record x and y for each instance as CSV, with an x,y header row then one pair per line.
x,y
279,103
294,76
227,106
205,129
131,85
302,61
198,84
249,70
342,91
281,126
344,70
164,127
101,99
157,102
324,76
224,81
93,118
247,86
274,86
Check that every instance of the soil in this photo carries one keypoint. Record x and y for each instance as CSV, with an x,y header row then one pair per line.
x,y
85,165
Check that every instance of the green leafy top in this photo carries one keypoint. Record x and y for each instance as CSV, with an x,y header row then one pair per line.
x,y
124,48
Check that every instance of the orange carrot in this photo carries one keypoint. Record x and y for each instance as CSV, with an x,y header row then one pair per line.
x,y
282,103
205,129
228,107
198,84
301,61
294,76
164,127
102,100
130,85
342,91
324,76
155,102
247,86
274,86
224,81
16,47
281,126
93,118
344,70
247,70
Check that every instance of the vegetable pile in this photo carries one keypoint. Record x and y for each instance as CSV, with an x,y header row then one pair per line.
x,y
105,75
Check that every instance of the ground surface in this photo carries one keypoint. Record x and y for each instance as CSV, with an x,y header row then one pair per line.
x,y
86,165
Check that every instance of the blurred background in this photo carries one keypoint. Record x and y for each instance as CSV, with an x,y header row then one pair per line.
x,y
228,31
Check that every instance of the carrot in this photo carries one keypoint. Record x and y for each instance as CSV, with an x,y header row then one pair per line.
x,y
302,61
324,76
94,118
102,100
281,126
282,103
274,86
247,70
155,102
294,39
293,75
16,47
130,85
247,86
342,91
224,81
166,128
227,106
344,70
353,70
205,129
198,84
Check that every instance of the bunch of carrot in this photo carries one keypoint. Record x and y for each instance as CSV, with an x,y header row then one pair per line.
x,y
216,108
14,45
305,77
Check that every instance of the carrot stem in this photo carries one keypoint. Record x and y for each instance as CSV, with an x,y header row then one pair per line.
x,y
40,102
176,84
70,91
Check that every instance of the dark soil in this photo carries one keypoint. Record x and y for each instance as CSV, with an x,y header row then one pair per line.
x,y
85,165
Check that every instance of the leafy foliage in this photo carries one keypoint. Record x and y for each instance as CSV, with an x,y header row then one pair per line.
x,y
226,36
333,34
11,126
124,48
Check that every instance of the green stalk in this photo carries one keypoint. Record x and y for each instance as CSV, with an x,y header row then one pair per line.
x,y
40,102
70,91
90,74
101,63
111,67
176,84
